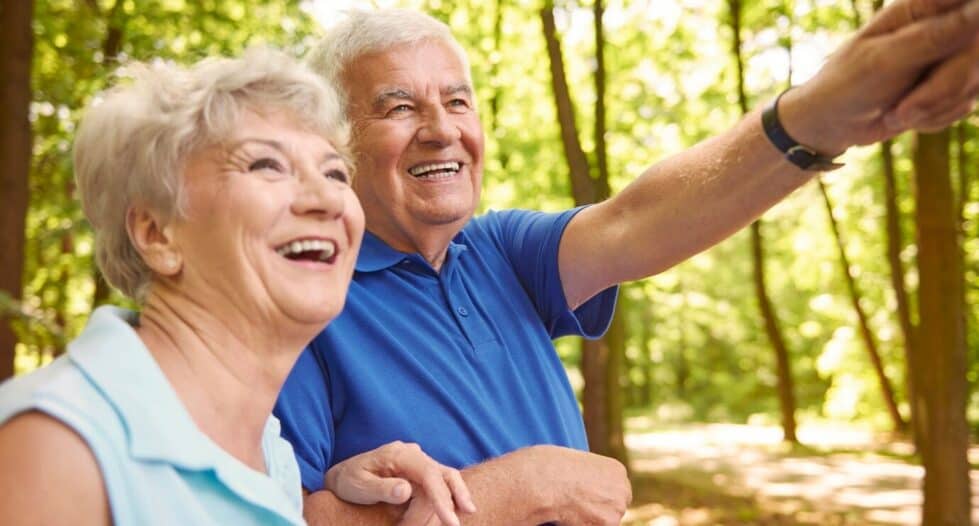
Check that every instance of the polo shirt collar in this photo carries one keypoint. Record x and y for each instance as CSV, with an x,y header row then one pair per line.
x,y
119,364
377,255
158,426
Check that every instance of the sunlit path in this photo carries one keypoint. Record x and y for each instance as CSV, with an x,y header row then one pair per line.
x,y
701,474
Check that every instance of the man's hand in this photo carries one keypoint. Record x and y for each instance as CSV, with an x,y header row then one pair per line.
x,y
915,65
393,473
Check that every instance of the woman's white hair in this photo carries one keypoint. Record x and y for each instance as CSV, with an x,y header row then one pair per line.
x,y
134,140
362,32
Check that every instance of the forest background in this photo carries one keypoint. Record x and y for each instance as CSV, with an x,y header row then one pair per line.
x,y
854,300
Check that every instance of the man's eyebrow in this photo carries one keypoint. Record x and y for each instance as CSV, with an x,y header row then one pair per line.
x,y
383,97
457,89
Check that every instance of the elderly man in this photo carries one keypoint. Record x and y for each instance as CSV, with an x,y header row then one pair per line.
x,y
446,336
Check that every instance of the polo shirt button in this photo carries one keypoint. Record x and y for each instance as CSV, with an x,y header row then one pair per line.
x,y
462,311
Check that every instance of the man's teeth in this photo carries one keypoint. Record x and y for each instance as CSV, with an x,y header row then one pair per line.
x,y
435,170
325,248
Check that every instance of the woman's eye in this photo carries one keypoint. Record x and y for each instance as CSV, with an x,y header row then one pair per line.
x,y
338,175
265,163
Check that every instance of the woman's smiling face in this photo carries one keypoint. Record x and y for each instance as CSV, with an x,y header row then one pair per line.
x,y
273,227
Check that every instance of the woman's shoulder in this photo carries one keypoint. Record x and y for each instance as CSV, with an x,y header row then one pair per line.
x,y
58,436
46,462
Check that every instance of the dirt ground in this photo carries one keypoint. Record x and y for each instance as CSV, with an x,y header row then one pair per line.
x,y
725,474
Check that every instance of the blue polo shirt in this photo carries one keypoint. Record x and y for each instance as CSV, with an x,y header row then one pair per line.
x,y
460,361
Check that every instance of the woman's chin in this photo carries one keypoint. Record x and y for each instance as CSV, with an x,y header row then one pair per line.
x,y
314,315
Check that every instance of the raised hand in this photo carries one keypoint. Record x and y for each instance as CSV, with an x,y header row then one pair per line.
x,y
914,65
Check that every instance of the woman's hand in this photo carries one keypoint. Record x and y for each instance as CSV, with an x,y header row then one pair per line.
x,y
395,472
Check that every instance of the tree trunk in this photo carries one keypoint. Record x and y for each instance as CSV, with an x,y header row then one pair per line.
x,y
940,350
870,343
786,389
15,159
895,244
601,361
582,186
616,336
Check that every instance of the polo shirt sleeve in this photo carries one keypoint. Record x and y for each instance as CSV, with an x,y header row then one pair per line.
x,y
304,410
531,240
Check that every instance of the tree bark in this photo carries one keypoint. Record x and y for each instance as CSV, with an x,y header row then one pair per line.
x,y
870,343
783,369
15,159
940,350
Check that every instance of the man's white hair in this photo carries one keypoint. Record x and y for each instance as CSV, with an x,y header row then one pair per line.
x,y
362,32
134,140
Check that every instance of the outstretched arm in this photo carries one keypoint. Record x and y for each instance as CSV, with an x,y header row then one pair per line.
x,y
530,486
915,65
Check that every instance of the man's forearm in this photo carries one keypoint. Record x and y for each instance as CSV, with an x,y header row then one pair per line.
x,y
506,491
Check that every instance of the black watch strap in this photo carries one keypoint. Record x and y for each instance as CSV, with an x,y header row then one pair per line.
x,y
802,156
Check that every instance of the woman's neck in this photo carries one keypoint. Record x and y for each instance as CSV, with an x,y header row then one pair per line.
x,y
226,369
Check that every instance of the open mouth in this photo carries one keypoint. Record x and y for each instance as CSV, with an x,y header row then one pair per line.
x,y
435,171
315,250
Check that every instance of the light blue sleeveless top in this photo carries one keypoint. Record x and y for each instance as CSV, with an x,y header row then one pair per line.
x,y
158,467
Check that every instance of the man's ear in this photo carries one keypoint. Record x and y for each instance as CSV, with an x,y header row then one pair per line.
x,y
154,241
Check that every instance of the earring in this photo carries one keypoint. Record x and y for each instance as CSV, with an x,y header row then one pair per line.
x,y
171,263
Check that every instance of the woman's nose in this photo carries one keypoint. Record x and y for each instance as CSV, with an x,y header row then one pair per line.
x,y
317,194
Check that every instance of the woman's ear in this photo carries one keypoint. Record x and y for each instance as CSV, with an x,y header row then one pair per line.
x,y
154,241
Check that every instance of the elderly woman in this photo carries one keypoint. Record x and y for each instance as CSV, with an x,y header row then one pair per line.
x,y
221,202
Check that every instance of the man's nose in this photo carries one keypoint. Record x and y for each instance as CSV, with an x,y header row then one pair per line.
x,y
438,129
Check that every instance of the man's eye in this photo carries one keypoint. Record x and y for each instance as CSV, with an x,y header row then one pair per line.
x,y
458,102
338,175
265,163
400,108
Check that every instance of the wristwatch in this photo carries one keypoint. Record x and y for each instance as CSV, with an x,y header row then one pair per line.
x,y
800,155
